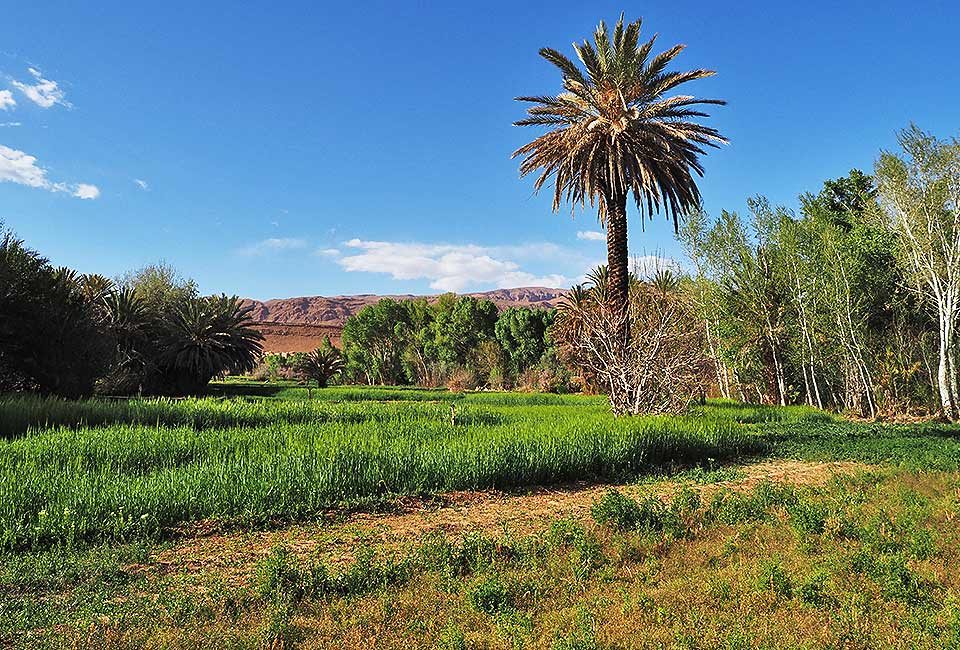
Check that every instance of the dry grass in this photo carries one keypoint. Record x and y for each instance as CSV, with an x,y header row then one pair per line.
x,y
702,589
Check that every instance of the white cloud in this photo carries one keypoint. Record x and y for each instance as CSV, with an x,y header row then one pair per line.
x,y
591,235
21,168
449,267
6,100
142,184
273,245
86,191
44,93
11,123
329,252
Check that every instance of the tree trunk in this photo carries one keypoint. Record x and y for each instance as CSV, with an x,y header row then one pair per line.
x,y
944,370
618,265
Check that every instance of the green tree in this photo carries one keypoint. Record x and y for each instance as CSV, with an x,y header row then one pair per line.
x,y
321,365
459,325
920,192
207,338
523,333
51,335
374,342
160,287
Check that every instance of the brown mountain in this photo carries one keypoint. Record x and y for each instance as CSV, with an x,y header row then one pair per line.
x,y
299,324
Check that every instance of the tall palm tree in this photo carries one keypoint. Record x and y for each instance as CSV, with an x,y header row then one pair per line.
x,y
617,130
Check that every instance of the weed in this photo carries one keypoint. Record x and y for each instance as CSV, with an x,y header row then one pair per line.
x,y
773,579
813,590
490,596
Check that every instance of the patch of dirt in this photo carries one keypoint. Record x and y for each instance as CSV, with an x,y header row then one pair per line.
x,y
233,555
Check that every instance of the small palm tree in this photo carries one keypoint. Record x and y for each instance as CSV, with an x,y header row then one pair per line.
x,y
616,131
321,365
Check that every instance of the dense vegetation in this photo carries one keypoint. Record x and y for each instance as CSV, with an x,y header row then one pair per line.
x,y
71,335
822,308
457,341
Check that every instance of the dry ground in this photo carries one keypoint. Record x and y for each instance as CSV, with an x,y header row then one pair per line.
x,y
233,555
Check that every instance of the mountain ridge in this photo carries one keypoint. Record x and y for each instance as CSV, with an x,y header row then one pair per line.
x,y
335,310
299,324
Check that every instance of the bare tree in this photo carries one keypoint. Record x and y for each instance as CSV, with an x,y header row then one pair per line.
x,y
661,367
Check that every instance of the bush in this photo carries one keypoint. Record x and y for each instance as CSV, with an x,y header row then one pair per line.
x,y
623,513
462,379
490,596
774,579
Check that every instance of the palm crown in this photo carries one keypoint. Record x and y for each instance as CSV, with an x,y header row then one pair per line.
x,y
617,129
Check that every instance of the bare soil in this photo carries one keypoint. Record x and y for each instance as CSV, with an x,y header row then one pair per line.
x,y
233,555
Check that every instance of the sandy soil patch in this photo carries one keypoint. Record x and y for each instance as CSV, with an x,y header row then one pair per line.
x,y
233,555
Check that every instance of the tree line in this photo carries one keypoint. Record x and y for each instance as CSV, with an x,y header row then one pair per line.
x,y
149,332
849,305
457,341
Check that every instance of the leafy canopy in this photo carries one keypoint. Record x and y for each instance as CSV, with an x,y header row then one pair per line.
x,y
617,129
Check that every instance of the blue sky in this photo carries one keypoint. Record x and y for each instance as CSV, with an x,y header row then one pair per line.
x,y
319,148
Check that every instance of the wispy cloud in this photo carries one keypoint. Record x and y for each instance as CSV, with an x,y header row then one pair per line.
x,y
21,168
42,92
329,252
142,184
7,102
591,235
273,245
448,267
2,124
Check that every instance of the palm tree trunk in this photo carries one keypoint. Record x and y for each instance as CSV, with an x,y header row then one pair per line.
x,y
618,265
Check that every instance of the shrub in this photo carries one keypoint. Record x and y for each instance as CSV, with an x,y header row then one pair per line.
x,y
616,510
807,517
812,591
490,596
462,379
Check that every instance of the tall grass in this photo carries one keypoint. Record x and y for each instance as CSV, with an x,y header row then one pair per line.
x,y
116,470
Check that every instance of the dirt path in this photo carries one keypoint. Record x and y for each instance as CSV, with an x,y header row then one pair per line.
x,y
233,555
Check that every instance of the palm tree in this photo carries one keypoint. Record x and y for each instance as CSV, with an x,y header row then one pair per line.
x,y
321,365
208,337
616,131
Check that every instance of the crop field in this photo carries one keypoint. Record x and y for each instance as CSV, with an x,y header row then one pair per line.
x,y
100,471
256,518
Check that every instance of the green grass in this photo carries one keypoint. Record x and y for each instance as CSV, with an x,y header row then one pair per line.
x,y
738,570
261,454
106,470
91,491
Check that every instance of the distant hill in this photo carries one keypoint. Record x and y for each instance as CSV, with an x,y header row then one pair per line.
x,y
299,324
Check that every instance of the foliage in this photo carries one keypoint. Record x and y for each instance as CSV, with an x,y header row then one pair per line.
x,y
456,341
811,308
207,338
51,332
921,199
616,131
321,365
69,334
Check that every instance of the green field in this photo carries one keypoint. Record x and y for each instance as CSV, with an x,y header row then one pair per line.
x,y
100,471
90,489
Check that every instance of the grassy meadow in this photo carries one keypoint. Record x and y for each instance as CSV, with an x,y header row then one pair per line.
x,y
95,494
